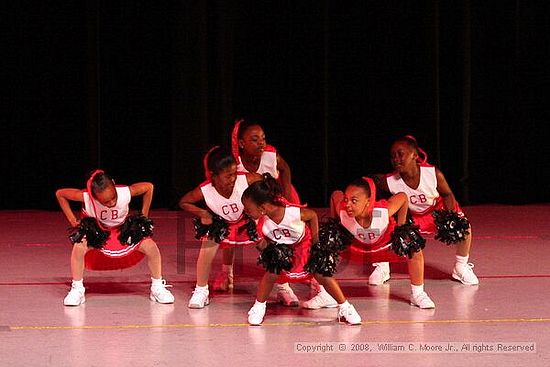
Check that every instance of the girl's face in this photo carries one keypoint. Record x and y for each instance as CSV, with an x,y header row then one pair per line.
x,y
253,141
356,200
108,197
254,210
225,179
403,156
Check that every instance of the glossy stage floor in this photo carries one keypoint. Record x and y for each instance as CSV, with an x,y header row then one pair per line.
x,y
505,321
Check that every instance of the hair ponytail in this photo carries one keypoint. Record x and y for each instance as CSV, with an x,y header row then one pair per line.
x,y
215,160
372,189
422,155
235,139
264,191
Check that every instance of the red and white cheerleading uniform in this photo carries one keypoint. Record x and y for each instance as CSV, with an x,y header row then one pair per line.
x,y
371,244
423,200
231,209
113,255
294,232
268,164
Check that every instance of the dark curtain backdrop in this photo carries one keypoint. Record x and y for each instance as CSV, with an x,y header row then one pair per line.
x,y
143,89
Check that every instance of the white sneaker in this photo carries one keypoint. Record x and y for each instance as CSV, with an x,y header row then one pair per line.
x,y
75,297
465,274
381,273
286,295
160,294
256,314
321,300
223,282
348,314
422,300
199,299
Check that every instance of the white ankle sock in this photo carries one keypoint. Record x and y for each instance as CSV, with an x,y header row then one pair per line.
x,y
417,289
198,287
78,283
463,260
258,303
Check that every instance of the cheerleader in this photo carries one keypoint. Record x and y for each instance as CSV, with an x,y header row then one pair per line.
x,y
253,154
290,231
427,190
222,193
371,223
97,236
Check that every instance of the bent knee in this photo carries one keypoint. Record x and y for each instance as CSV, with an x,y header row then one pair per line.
x,y
147,245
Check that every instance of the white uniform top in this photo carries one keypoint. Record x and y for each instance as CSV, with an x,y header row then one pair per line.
x,y
109,217
376,230
291,230
268,163
231,209
424,197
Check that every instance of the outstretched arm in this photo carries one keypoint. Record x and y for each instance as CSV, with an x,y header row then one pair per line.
x,y
399,204
445,191
145,189
284,177
310,217
188,201
63,196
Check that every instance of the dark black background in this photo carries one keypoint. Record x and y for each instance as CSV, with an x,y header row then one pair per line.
x,y
143,89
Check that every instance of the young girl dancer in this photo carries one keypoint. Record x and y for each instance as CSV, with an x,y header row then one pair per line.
x,y
294,226
253,154
222,193
427,190
372,223
109,205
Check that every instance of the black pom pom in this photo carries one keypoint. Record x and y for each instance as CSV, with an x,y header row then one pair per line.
x,y
334,236
451,227
276,257
250,227
201,230
406,240
217,231
134,229
322,260
324,255
89,229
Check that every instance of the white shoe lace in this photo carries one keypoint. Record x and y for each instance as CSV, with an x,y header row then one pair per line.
x,y
162,286
256,310
256,314
315,301
74,296
348,314
200,293
466,269
379,273
422,300
75,292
